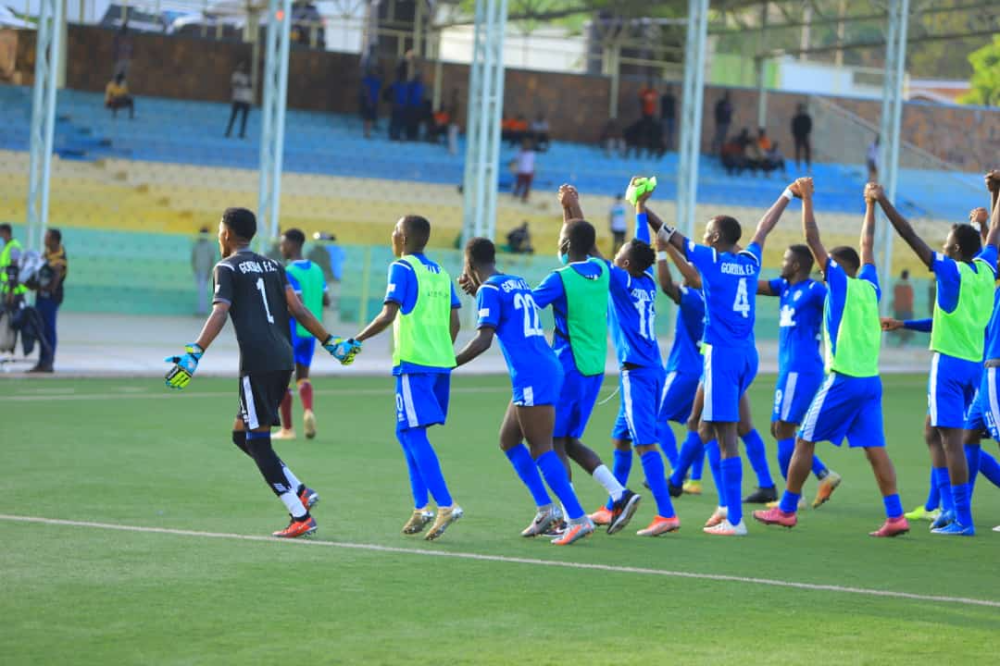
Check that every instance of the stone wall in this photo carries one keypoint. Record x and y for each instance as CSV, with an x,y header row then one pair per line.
x,y
576,105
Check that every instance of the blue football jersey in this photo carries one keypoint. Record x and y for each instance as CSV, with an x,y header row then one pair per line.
x,y
685,354
993,330
551,291
800,323
505,303
632,318
729,282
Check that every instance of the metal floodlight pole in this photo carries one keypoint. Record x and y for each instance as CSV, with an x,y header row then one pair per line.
x,y
892,114
43,115
692,103
272,135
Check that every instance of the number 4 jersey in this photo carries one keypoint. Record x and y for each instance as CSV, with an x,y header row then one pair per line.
x,y
632,318
254,288
505,304
729,283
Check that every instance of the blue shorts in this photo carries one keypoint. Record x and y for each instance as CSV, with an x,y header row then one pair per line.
x,y
304,349
677,397
576,401
543,388
950,389
422,399
848,407
794,394
640,393
729,371
985,411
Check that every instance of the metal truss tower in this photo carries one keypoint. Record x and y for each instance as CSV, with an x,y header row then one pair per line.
x,y
692,102
274,103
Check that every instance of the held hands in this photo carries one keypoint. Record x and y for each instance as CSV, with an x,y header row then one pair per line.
x,y
979,216
341,349
802,188
873,192
992,179
890,324
180,375
568,196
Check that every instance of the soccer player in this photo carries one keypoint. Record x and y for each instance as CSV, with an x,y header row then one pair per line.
x,y
729,279
849,404
308,282
800,366
631,318
253,291
422,307
964,273
507,310
579,294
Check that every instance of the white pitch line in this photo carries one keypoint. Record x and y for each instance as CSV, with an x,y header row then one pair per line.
x,y
167,394
965,601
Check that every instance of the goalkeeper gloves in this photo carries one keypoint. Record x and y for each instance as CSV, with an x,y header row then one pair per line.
x,y
639,188
180,375
341,349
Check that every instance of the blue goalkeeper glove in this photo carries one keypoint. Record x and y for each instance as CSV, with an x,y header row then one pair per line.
x,y
180,375
341,349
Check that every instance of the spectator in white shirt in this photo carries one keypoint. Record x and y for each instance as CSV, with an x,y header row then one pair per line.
x,y
242,99
525,166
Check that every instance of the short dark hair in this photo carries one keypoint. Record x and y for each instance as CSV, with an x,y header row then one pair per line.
x,y
241,222
55,234
804,256
847,257
641,254
481,251
969,240
295,236
417,228
581,236
729,227
7,229
905,274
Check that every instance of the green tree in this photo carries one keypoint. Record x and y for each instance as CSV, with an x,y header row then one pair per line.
x,y
985,79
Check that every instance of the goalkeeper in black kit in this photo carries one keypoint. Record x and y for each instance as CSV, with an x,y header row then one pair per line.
x,y
254,291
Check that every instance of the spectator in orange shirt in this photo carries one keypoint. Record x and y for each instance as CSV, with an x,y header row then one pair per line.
x,y
647,101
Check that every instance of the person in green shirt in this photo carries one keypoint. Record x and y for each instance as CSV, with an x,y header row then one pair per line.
x,y
309,283
421,305
849,404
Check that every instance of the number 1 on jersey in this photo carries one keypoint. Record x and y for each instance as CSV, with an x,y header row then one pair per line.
x,y
742,302
263,297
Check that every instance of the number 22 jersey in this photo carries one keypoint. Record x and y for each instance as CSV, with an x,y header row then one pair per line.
x,y
729,282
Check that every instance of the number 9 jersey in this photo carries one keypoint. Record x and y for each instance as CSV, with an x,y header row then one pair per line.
x,y
254,288
505,304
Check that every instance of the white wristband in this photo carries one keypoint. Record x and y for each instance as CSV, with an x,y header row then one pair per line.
x,y
661,256
787,194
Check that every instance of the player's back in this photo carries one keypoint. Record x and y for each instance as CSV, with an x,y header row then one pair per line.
x,y
506,303
254,288
308,281
800,322
729,281
685,353
632,318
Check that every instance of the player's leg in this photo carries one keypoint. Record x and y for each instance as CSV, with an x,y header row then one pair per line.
x,y
693,447
641,389
537,423
521,459
664,434
287,430
422,515
757,455
676,404
304,352
727,375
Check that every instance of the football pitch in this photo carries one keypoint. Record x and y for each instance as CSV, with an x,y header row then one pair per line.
x,y
134,532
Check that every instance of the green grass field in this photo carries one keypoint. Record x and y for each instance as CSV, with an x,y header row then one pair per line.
x,y
127,452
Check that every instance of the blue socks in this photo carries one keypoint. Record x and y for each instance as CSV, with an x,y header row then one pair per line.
x,y
732,476
652,465
757,455
972,456
989,467
933,496
790,501
963,503
524,465
691,450
893,506
668,443
555,475
698,466
621,468
943,483
714,460
417,486
786,447
819,469
416,443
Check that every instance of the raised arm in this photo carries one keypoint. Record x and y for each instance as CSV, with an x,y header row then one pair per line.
x,y
993,183
569,199
867,242
690,273
771,217
676,238
901,225
667,284
809,228
764,288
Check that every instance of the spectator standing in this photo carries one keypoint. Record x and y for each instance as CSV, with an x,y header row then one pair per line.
x,y
397,95
414,106
540,132
203,260
802,126
723,119
519,240
518,130
668,117
525,168
50,296
612,140
618,224
647,101
371,85
123,51
242,99
902,304
10,257
871,158
116,97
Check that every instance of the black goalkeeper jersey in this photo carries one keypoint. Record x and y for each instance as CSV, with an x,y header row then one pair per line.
x,y
254,287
